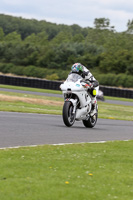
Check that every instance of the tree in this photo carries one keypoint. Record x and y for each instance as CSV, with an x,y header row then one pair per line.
x,y
39,39
1,34
130,26
103,23
13,37
61,37
78,38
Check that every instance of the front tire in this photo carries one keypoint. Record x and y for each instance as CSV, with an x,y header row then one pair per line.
x,y
91,122
68,116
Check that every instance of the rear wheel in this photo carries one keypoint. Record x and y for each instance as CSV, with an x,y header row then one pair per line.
x,y
91,122
68,116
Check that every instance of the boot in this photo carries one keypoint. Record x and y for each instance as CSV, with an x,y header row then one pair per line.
x,y
94,108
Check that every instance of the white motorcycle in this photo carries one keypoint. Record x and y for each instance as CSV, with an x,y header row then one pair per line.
x,y
78,103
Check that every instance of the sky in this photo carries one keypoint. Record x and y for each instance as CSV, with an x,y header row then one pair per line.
x,y
81,12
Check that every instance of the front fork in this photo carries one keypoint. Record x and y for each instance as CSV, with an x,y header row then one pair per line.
x,y
74,103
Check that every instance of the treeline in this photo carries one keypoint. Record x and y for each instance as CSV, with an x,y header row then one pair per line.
x,y
47,50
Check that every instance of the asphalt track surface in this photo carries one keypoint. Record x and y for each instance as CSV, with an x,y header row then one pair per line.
x,y
21,129
60,95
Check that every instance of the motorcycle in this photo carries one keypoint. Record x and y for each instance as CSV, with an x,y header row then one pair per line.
x,y
77,102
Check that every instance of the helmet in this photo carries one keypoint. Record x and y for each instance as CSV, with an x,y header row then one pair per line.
x,y
77,68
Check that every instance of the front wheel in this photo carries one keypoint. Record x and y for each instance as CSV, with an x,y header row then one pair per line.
x,y
68,115
91,122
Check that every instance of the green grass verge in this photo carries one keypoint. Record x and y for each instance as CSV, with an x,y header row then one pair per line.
x,y
112,111
107,111
55,92
118,98
32,96
79,171
19,106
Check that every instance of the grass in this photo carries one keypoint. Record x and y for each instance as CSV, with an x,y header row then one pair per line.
x,y
19,106
106,111
118,99
78,171
55,92
112,111
17,102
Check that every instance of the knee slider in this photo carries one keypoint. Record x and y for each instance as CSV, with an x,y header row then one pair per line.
x,y
94,92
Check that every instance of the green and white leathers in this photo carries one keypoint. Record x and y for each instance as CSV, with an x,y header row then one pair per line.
x,y
92,79
87,75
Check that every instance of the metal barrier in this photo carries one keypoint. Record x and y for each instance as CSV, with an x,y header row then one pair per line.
x,y
54,85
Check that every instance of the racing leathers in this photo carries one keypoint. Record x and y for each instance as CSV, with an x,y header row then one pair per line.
x,y
87,75
93,87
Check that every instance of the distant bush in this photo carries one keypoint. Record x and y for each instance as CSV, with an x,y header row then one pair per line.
x,y
118,80
6,68
17,70
52,77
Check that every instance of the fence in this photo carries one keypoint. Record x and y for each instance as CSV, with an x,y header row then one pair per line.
x,y
54,85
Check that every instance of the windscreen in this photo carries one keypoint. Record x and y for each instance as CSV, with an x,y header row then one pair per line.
x,y
73,77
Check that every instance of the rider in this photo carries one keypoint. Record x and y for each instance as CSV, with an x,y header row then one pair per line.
x,y
92,83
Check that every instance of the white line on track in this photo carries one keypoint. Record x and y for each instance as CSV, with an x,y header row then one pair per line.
x,y
59,144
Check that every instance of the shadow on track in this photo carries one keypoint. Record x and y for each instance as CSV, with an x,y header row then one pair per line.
x,y
80,127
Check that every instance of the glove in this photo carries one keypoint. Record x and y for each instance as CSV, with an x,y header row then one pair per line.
x,y
84,74
91,85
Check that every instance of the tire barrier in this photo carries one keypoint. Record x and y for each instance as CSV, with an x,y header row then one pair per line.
x,y
117,92
54,85
30,82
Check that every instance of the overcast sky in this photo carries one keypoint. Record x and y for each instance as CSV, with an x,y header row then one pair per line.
x,y
81,12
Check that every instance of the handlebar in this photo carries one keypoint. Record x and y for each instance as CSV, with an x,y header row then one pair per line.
x,y
87,82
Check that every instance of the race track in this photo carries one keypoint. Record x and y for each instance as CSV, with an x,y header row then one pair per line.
x,y
21,129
